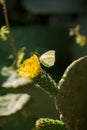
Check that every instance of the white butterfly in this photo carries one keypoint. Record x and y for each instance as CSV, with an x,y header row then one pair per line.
x,y
48,58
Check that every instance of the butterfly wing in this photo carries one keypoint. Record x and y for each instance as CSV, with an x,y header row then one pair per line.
x,y
48,58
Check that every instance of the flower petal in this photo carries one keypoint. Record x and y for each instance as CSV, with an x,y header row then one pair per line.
x,y
30,68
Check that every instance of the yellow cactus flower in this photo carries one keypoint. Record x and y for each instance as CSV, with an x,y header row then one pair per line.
x,y
3,32
81,40
1,1
30,68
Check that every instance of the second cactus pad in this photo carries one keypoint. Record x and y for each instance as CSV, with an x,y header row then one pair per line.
x,y
72,96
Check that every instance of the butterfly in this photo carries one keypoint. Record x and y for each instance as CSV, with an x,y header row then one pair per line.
x,y
48,58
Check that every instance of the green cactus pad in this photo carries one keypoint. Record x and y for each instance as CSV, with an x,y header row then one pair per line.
x,y
49,124
72,96
46,82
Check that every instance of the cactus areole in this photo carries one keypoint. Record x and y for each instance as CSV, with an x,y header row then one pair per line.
x,y
72,95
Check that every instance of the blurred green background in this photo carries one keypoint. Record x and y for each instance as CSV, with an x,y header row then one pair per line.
x,y
41,26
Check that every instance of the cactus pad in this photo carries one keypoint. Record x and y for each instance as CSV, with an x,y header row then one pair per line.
x,y
72,96
49,124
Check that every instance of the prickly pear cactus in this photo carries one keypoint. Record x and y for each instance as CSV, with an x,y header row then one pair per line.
x,y
72,96
70,93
